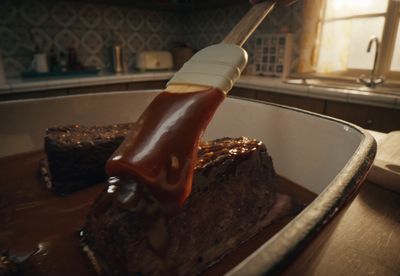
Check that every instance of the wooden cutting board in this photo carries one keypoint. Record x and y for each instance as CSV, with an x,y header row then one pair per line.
x,y
386,168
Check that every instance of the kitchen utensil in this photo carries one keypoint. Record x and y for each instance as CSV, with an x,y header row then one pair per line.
x,y
237,36
250,21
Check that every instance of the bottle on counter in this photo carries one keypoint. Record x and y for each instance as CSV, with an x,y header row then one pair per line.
x,y
117,58
72,61
53,61
63,62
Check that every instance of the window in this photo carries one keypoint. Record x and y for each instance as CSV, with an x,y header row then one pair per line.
x,y
346,28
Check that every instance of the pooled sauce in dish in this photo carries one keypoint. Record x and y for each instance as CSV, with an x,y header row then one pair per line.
x,y
160,151
33,220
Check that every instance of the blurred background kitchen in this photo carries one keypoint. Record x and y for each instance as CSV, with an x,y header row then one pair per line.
x,y
339,58
334,57
92,28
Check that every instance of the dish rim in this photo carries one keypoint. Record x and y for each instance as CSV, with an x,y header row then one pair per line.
x,y
278,251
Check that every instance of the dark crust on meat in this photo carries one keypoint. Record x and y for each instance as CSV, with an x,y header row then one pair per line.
x,y
232,195
76,155
79,136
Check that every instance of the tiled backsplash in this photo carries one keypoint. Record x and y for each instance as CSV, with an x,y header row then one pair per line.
x,y
90,28
93,28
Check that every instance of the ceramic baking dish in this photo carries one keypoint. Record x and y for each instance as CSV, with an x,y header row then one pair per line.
x,y
326,156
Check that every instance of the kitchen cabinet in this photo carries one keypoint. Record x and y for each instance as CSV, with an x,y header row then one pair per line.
x,y
97,88
370,117
34,94
243,93
160,84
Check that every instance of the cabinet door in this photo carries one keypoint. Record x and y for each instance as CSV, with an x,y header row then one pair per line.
x,y
32,95
140,85
370,117
97,88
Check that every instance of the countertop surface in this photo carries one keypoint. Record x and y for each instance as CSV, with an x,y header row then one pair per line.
x,y
35,84
362,95
363,239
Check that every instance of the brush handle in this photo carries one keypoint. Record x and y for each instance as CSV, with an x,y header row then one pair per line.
x,y
196,76
217,66
249,22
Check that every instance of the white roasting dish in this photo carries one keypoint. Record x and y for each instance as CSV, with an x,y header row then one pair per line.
x,y
327,156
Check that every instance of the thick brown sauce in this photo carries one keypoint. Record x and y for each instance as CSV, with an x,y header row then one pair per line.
x,y
32,218
161,149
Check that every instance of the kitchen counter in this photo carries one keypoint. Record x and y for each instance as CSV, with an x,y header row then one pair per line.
x,y
364,239
40,84
365,97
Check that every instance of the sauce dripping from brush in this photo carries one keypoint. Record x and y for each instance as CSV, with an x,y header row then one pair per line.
x,y
160,151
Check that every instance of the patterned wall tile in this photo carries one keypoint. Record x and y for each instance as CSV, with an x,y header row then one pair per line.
x,y
12,65
92,42
219,19
66,39
173,23
34,12
136,42
42,38
90,16
94,28
63,14
154,42
135,19
7,12
114,18
8,41
154,21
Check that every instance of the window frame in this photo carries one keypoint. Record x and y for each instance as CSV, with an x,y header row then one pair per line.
x,y
387,44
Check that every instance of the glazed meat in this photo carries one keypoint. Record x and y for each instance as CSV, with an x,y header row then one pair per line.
x,y
76,155
232,196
